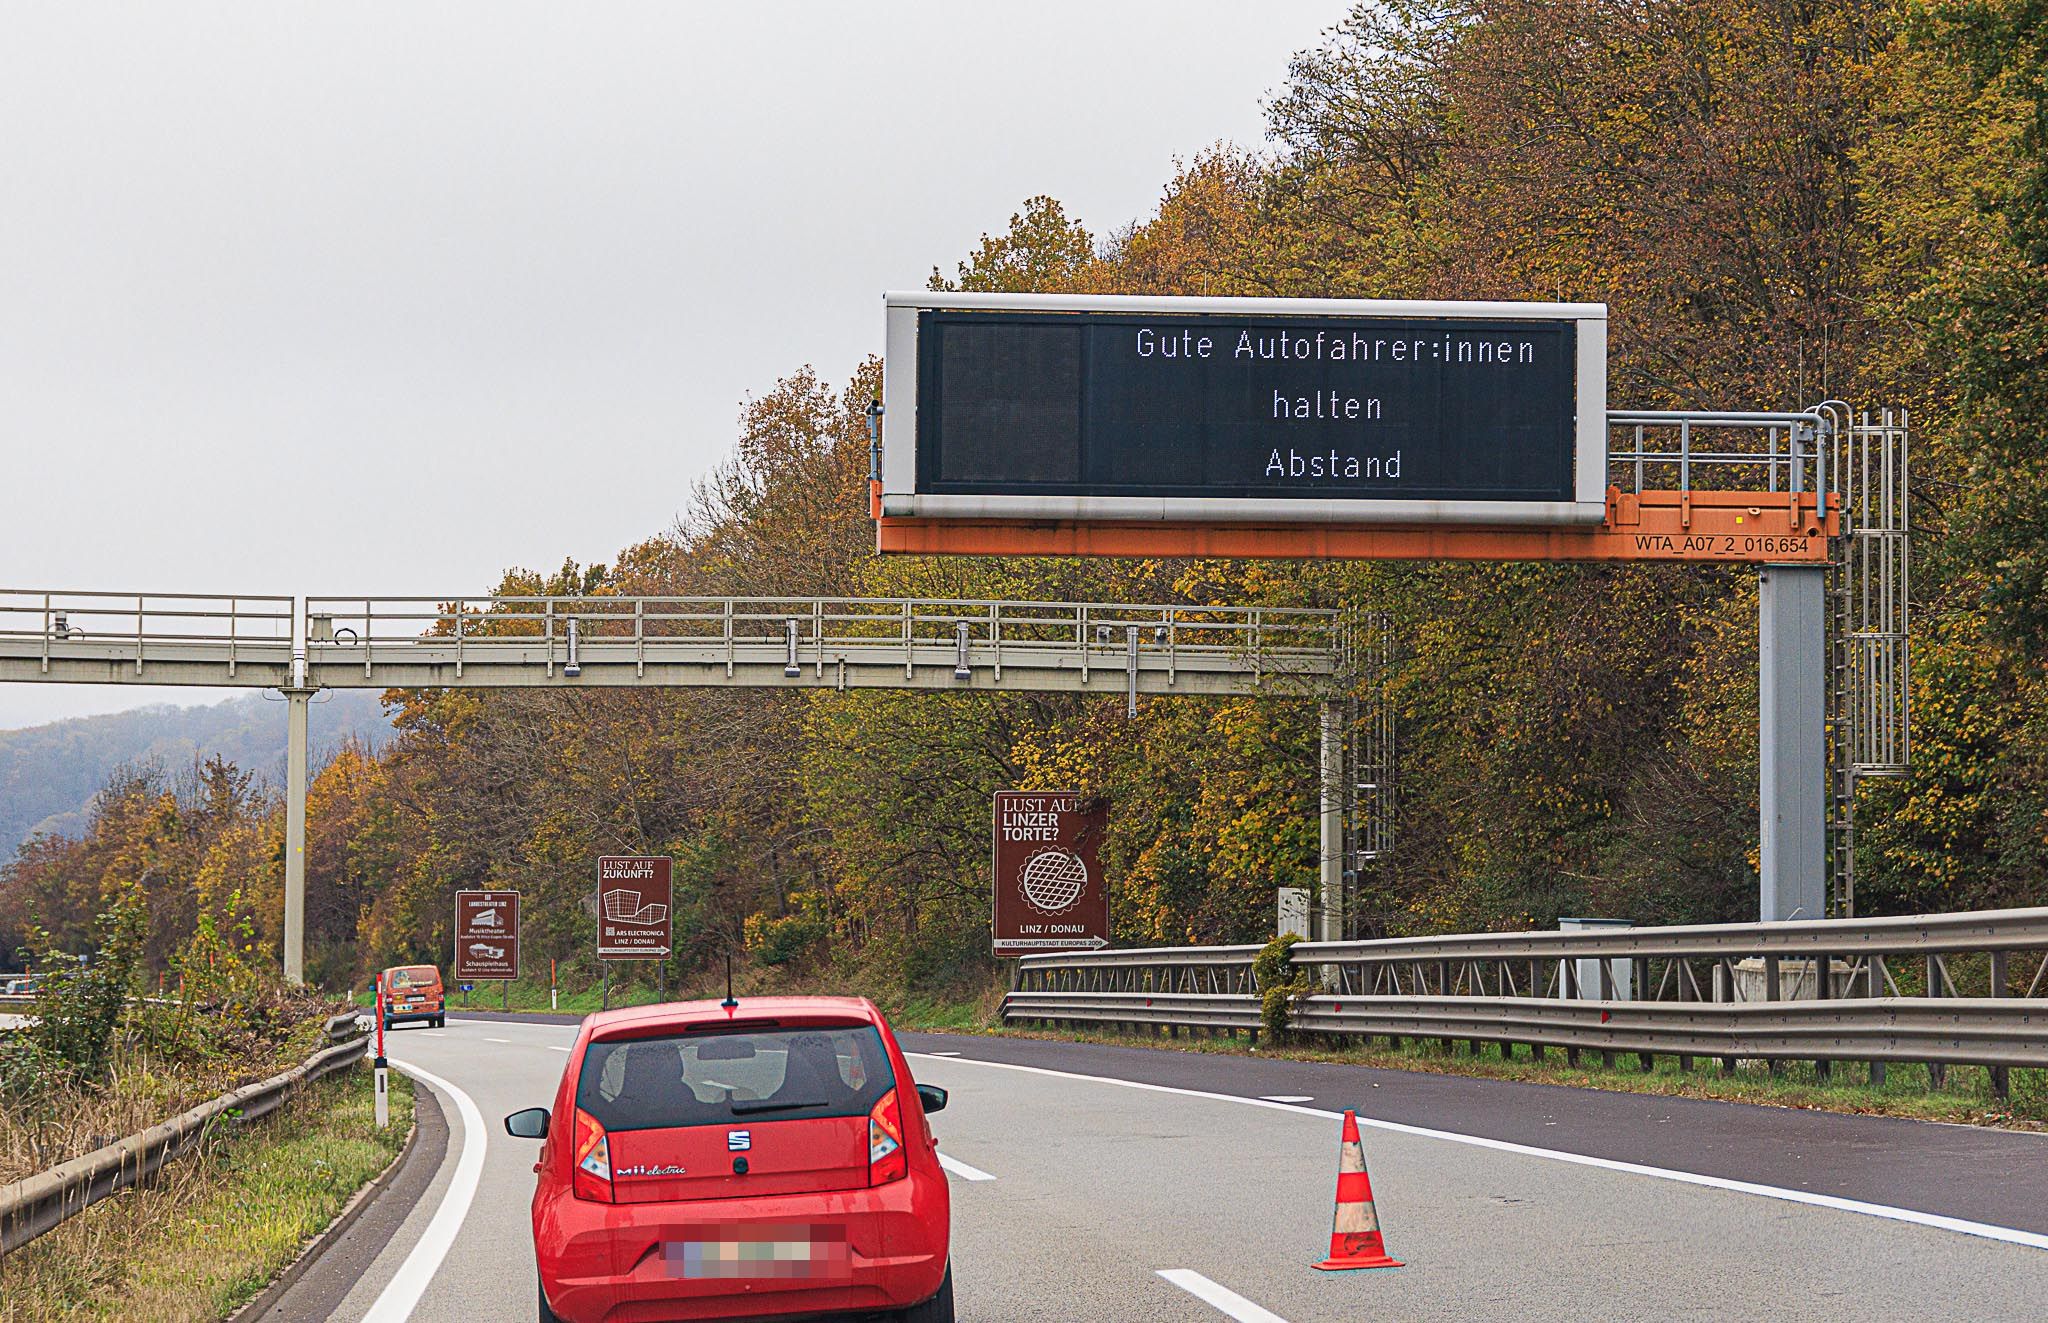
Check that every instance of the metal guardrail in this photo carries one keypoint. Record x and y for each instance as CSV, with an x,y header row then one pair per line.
x,y
1948,1031
31,1207
14,1005
1826,990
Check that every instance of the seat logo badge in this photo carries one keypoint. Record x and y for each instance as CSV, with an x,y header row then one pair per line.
x,y
738,1141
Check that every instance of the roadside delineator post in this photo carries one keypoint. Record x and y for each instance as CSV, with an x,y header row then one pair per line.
x,y
383,1075
1355,1240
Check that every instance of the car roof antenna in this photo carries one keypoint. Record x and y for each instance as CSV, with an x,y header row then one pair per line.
x,y
730,1003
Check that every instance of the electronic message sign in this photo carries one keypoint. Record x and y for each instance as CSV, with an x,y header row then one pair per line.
x,y
486,935
634,907
1246,410
1049,893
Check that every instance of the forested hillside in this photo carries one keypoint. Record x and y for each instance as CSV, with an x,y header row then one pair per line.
x,y
50,773
1780,202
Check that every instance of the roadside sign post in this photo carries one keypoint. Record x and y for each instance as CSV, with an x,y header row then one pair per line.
x,y
1047,878
1293,913
635,911
487,939
382,1066
554,1001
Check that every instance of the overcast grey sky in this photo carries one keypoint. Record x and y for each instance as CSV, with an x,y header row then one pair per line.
x,y
390,297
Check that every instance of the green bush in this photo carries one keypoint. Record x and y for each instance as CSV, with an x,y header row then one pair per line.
x,y
779,941
80,998
25,1073
1280,985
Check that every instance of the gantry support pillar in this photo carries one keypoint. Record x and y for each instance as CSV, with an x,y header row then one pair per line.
x,y
298,702
1792,770
1330,872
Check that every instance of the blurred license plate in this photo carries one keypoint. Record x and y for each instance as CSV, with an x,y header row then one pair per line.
x,y
794,1252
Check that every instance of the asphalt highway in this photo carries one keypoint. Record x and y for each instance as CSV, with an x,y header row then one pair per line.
x,y
1110,1184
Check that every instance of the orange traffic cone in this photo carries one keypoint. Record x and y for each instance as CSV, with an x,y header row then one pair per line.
x,y
1355,1240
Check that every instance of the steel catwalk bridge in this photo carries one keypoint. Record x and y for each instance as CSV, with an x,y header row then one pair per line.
x,y
934,645
366,642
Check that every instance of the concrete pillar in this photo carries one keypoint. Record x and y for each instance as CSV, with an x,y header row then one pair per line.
x,y
297,712
1792,741
1330,873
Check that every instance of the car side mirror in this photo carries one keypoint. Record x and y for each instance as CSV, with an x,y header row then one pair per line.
x,y
933,1097
529,1124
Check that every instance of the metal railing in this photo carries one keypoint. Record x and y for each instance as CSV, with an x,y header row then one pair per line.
x,y
132,629
1963,988
817,638
31,1207
1690,451
492,640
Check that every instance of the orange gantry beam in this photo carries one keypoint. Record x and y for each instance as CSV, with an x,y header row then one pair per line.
x,y
1741,527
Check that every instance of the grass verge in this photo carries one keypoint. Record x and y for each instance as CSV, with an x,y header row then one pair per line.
x,y
909,1010
531,996
145,1084
218,1225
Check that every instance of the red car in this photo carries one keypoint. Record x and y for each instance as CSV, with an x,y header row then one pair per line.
x,y
717,1160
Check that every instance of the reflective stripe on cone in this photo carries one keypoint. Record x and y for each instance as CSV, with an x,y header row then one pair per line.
x,y
1355,1240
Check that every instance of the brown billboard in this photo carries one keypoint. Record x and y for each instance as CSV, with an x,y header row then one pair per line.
x,y
486,936
1049,893
634,907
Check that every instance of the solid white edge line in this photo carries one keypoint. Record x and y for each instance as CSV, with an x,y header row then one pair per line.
x,y
401,1295
1961,1226
1287,1097
962,1170
1222,1297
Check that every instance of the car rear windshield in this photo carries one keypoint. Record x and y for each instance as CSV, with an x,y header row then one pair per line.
x,y
413,976
715,1079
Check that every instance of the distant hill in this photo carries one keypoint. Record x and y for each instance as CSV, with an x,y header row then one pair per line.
x,y
49,774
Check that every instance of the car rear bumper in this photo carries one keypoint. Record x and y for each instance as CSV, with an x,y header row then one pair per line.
x,y
605,1263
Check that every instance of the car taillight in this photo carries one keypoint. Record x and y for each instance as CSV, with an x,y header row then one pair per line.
x,y
593,1178
887,1160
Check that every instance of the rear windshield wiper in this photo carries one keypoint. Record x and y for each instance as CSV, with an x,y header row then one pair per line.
x,y
746,1108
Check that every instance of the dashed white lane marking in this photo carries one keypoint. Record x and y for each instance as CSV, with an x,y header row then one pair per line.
x,y
1222,1297
1962,1226
498,1040
555,1047
401,1295
1287,1097
962,1170
941,1054
433,1033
